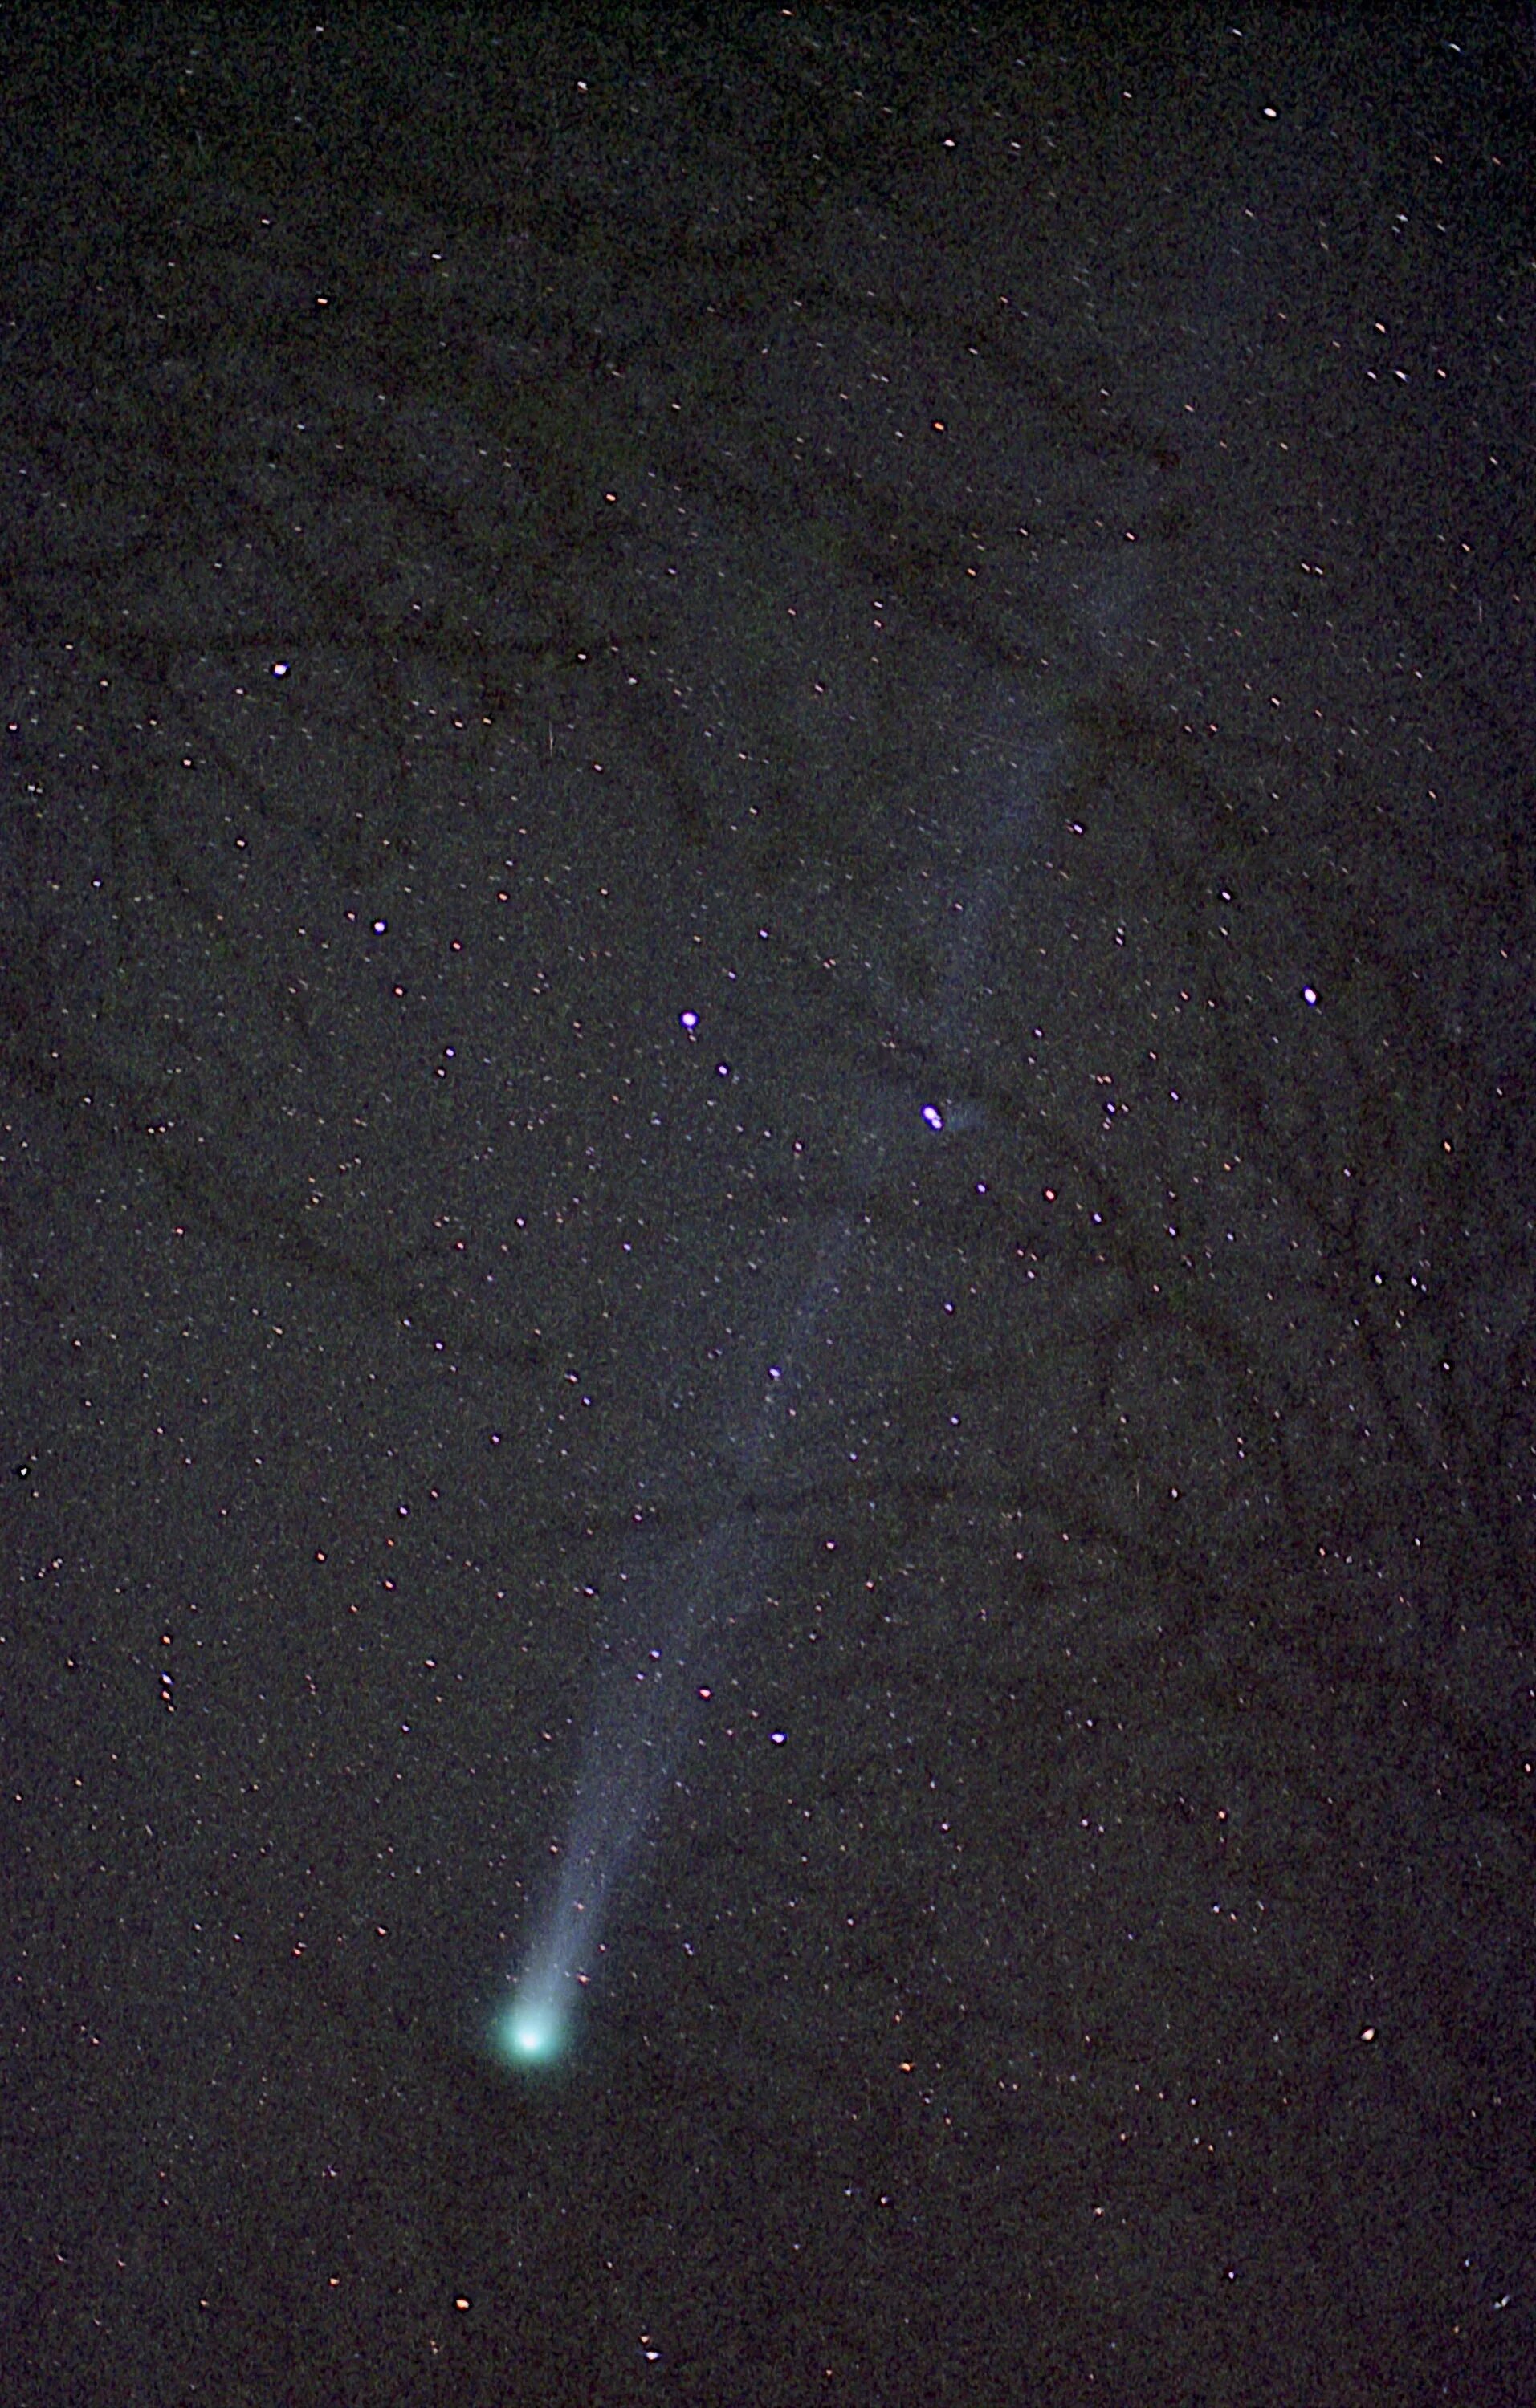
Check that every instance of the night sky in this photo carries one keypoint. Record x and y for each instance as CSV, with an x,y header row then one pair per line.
x,y
766,1012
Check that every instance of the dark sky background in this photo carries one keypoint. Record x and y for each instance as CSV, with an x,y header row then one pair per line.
x,y
517,529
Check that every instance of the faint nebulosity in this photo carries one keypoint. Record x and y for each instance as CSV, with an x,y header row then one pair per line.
x,y
765,1231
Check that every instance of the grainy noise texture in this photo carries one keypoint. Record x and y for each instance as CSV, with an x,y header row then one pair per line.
x,y
601,608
